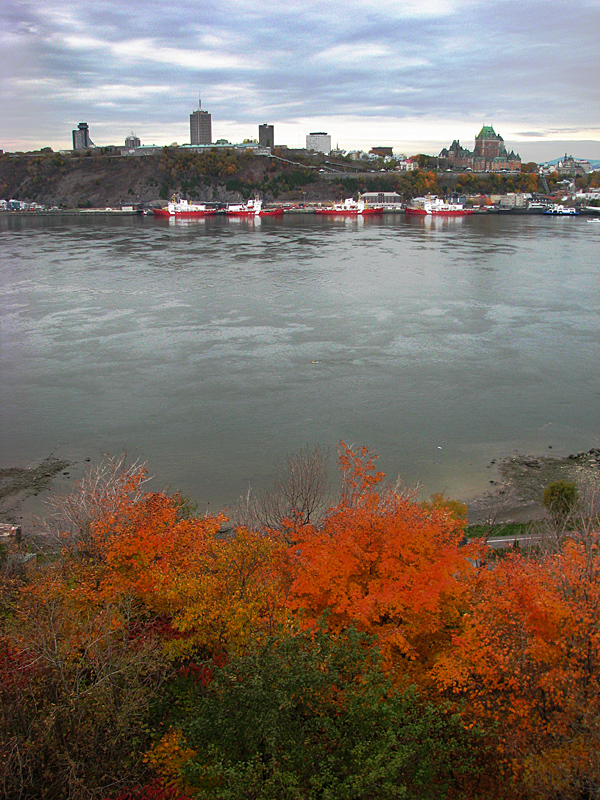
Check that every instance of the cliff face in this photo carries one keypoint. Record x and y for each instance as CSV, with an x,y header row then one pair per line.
x,y
93,179
96,179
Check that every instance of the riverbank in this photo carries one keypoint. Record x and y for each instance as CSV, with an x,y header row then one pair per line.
x,y
516,496
520,481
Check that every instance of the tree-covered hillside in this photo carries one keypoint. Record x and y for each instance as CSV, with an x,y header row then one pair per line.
x,y
94,178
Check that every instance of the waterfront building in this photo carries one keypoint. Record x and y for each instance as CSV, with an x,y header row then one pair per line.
x,y
319,142
132,141
513,200
489,155
385,199
200,126
266,135
81,137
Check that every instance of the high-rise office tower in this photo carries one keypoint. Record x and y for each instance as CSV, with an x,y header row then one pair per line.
x,y
266,135
132,141
200,126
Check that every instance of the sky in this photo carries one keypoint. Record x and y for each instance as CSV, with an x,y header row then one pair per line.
x,y
411,74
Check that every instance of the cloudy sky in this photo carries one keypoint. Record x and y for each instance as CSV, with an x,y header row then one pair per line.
x,y
413,74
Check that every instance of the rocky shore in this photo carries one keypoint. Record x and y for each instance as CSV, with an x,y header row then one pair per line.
x,y
516,495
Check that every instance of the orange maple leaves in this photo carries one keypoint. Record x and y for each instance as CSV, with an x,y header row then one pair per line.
x,y
528,662
384,564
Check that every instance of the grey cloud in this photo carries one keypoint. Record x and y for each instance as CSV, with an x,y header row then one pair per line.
x,y
483,60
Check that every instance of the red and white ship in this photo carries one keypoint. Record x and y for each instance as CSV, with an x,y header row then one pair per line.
x,y
253,208
434,205
250,209
182,208
350,208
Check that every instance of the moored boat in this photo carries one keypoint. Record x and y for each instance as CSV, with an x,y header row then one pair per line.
x,y
253,208
537,206
350,208
432,204
558,210
182,208
250,209
270,212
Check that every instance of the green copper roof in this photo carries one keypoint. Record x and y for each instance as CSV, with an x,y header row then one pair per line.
x,y
487,132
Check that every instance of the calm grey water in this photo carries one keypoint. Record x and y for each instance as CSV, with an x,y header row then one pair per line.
x,y
214,348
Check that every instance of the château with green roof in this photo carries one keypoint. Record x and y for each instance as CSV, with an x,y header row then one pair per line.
x,y
489,155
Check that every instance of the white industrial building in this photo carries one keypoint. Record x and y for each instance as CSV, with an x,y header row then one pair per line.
x,y
320,142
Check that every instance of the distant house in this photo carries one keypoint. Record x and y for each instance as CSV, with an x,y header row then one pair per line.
x,y
406,165
381,151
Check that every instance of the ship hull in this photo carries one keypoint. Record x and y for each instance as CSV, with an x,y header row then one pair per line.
x,y
421,212
344,212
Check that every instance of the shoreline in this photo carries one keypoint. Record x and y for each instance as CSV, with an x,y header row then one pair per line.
x,y
516,495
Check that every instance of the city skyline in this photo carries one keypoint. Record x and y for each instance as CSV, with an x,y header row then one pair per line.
x,y
412,75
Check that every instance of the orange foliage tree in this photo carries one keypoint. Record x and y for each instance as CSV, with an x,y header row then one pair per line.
x,y
139,588
385,564
528,662
218,590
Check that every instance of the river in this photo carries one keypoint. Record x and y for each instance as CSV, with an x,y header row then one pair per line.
x,y
214,348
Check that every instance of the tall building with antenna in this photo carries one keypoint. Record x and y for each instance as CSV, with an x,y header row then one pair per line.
x,y
200,126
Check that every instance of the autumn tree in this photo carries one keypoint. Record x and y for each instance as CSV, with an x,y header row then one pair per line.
x,y
386,564
76,685
560,498
298,495
527,662
100,493
85,644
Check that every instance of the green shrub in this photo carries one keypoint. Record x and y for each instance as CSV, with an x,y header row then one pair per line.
x,y
560,497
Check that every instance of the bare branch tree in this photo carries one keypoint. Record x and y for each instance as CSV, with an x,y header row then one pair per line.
x,y
99,492
298,496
